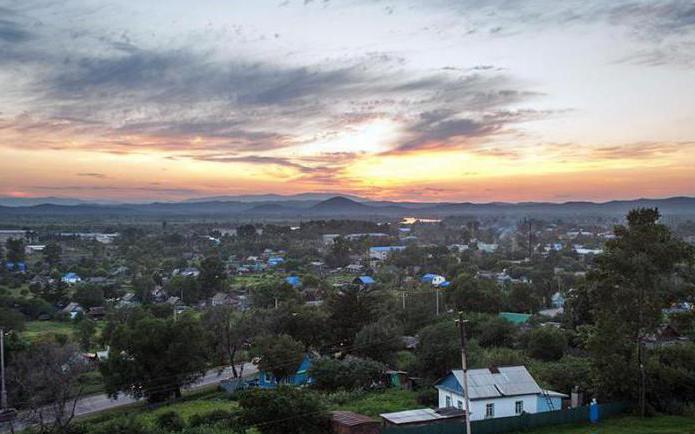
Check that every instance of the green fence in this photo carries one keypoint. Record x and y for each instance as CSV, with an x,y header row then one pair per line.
x,y
515,423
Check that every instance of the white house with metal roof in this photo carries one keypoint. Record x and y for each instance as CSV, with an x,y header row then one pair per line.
x,y
497,392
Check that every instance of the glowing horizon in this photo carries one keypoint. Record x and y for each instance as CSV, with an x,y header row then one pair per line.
x,y
436,100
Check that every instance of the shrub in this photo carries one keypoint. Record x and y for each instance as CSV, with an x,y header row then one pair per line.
x,y
211,418
546,343
170,421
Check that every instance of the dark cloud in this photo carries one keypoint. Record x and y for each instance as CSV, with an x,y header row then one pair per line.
x,y
641,150
92,175
13,32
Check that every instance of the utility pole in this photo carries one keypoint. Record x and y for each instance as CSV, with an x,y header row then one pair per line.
x,y
3,390
436,292
462,332
403,298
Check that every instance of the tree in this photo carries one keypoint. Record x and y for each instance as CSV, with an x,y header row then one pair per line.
x,y
212,275
379,341
279,355
52,253
350,309
11,320
497,332
154,358
45,379
15,250
246,232
228,330
86,330
522,298
348,374
473,295
286,410
89,295
307,324
546,343
628,289
438,349
339,253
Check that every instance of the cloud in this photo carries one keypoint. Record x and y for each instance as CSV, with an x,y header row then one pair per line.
x,y
92,175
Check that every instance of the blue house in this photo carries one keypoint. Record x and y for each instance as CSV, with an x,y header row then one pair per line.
x,y
275,260
364,281
267,380
294,281
18,267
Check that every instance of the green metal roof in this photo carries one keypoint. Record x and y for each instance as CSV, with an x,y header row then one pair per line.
x,y
516,318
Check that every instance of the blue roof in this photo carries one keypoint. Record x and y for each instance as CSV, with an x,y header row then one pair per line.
x,y
386,248
293,280
366,280
445,284
427,277
71,276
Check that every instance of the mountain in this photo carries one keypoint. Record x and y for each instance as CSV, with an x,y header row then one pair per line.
x,y
248,198
29,201
340,204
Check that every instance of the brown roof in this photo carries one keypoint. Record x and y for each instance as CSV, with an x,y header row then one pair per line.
x,y
348,418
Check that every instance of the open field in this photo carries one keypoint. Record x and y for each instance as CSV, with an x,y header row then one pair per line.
x,y
37,329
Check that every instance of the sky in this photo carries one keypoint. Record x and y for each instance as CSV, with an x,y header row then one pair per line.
x,y
419,100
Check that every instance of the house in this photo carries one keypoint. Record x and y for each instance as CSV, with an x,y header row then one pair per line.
x,y
222,299
364,281
72,309
96,313
422,416
383,252
274,261
267,380
71,278
17,267
557,300
487,248
433,279
348,422
497,392
516,318
354,268
188,272
293,281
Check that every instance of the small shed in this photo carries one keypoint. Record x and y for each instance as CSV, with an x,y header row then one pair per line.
x,y
422,416
348,422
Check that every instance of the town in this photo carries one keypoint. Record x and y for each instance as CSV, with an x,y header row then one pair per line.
x,y
346,325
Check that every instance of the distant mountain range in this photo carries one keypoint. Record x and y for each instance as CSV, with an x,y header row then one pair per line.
x,y
317,205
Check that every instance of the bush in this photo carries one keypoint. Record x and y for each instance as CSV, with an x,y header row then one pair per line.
x,y
122,425
350,373
428,397
170,421
211,418
546,343
276,411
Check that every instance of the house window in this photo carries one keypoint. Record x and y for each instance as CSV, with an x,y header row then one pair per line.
x,y
489,410
519,407
448,401
459,404
268,378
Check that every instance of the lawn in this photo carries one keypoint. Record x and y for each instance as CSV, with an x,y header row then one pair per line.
x,y
626,425
372,404
37,329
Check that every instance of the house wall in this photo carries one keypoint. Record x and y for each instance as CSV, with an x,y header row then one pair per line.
x,y
543,404
504,407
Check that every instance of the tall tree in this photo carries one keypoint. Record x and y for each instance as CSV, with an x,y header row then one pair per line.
x,y
229,331
154,358
15,250
629,288
279,355
52,253
212,275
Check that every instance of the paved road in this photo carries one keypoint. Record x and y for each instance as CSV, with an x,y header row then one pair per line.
x,y
96,403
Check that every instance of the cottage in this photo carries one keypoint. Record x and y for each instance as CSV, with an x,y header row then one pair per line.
x,y
222,299
422,416
364,281
293,281
497,392
433,279
347,422
71,278
72,309
266,380
383,252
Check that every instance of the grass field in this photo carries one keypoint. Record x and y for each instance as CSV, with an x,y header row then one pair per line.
x,y
372,404
37,329
626,425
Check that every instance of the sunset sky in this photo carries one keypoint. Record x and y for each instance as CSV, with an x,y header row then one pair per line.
x,y
457,100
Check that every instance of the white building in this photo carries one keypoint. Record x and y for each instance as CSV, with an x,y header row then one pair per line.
x,y
497,392
487,248
383,252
